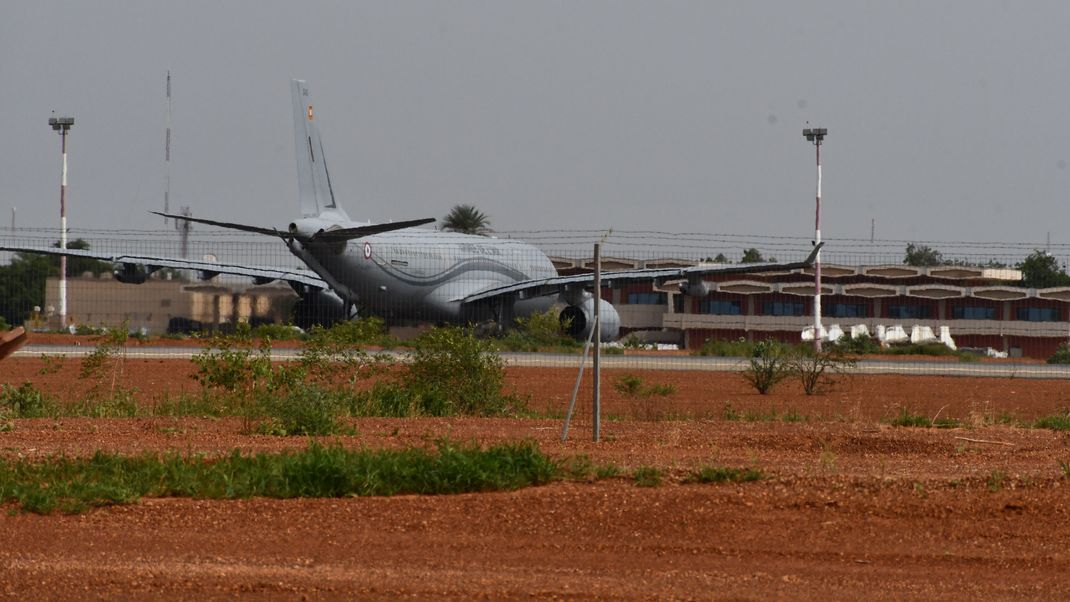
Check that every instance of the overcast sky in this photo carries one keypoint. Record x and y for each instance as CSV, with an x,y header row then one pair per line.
x,y
947,120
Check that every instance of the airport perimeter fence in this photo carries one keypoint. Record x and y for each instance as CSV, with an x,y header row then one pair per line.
x,y
972,308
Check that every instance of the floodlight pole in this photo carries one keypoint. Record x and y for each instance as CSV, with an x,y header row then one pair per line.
x,y
596,420
62,125
817,136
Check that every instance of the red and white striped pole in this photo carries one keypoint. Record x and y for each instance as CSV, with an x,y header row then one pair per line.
x,y
817,135
62,125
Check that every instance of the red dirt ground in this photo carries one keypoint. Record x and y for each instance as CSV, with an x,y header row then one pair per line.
x,y
853,508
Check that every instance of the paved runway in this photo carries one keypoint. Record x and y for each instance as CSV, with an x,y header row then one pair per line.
x,y
950,367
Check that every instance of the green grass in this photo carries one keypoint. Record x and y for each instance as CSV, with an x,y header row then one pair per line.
x,y
647,476
75,484
906,418
721,474
1055,422
731,414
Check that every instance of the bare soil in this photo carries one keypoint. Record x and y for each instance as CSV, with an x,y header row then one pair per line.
x,y
852,507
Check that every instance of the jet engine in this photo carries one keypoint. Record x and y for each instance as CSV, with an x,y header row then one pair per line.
x,y
579,319
129,273
318,307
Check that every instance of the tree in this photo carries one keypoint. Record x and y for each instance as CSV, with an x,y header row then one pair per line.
x,y
922,256
1041,270
22,282
22,285
720,259
752,255
467,220
76,266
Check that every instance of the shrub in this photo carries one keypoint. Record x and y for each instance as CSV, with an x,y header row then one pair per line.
x,y
769,364
629,385
860,345
25,401
817,370
305,410
539,331
451,367
368,330
230,365
1061,355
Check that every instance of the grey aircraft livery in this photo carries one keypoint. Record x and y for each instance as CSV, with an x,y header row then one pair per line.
x,y
406,273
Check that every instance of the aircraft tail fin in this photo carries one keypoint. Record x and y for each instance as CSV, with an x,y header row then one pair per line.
x,y
315,193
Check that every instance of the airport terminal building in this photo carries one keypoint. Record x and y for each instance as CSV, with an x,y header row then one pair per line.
x,y
982,307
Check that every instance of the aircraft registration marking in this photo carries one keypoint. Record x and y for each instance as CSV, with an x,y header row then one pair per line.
x,y
367,250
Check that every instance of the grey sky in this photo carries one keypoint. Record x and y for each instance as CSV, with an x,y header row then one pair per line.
x,y
947,120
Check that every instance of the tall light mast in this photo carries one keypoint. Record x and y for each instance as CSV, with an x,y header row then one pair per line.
x,y
62,125
817,136
167,154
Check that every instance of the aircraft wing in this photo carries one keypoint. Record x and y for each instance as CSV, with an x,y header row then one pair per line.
x,y
207,269
539,287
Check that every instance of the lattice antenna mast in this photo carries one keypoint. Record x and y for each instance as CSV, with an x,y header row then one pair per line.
x,y
184,227
167,154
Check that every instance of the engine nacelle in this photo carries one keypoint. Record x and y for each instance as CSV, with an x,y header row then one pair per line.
x,y
318,307
129,273
695,288
579,319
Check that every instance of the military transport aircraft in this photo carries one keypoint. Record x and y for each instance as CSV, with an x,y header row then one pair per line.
x,y
406,273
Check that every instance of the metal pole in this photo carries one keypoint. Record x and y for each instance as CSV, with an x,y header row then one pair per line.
x,y
817,260
596,422
817,136
63,237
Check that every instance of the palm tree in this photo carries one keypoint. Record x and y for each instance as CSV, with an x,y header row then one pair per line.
x,y
467,220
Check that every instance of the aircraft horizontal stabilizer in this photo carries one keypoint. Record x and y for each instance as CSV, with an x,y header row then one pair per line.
x,y
360,231
232,226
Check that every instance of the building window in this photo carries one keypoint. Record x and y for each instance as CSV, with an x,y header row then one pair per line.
x,y
973,313
678,303
1039,314
910,311
782,308
720,308
845,310
647,299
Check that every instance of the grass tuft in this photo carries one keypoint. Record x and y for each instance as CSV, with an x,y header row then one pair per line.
x,y
73,485
721,474
647,476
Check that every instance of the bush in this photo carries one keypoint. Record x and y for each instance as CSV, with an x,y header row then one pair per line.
x,y
1061,355
769,364
860,345
369,330
451,367
816,370
537,332
631,385
25,401
305,410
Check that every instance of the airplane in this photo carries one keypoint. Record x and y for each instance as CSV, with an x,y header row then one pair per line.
x,y
402,272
